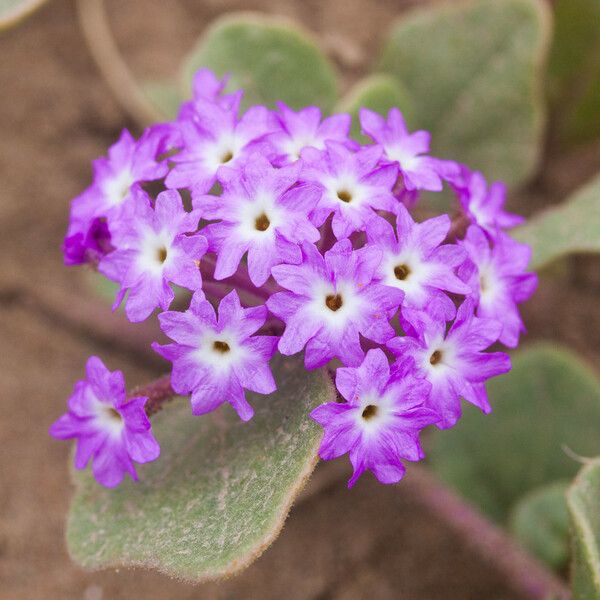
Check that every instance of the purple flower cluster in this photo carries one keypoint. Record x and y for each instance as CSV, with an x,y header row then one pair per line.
x,y
292,237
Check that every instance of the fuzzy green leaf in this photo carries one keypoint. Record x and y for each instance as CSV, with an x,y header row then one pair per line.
x,y
379,93
583,500
13,11
540,521
573,226
218,494
165,96
574,69
269,58
550,400
473,70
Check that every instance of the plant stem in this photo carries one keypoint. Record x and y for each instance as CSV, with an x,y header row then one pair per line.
x,y
525,574
103,48
158,393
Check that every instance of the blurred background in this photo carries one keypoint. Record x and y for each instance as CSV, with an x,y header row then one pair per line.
x,y
57,114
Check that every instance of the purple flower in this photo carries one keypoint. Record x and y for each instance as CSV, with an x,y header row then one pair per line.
x,y
497,277
409,150
331,301
453,362
215,137
216,359
483,205
110,429
379,424
207,86
128,162
415,262
354,186
304,129
89,244
152,251
263,212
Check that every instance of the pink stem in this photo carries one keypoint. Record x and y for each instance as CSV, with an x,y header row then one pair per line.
x,y
158,392
525,574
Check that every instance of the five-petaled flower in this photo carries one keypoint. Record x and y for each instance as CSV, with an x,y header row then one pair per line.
x,y
111,430
454,362
262,211
153,250
330,301
216,359
379,424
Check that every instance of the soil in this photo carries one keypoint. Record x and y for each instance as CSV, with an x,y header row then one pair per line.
x,y
56,115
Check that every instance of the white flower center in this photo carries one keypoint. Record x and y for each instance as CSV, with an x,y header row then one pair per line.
x,y
345,191
490,285
219,350
408,161
117,188
109,419
335,306
374,411
407,271
259,217
156,252
439,358
223,151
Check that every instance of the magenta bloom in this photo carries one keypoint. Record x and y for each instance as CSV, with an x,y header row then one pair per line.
x,y
216,359
331,300
304,129
128,162
497,277
152,251
354,186
262,212
409,150
215,137
483,205
89,244
415,262
110,429
379,425
454,362
207,86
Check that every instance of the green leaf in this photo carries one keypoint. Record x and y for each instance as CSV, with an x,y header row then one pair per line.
x,y
165,96
269,58
474,70
550,400
540,521
583,500
218,494
379,93
573,226
574,69
13,11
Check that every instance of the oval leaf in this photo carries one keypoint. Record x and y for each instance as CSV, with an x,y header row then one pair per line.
x,y
574,69
269,58
218,494
540,521
574,226
379,93
548,401
474,72
12,11
583,499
